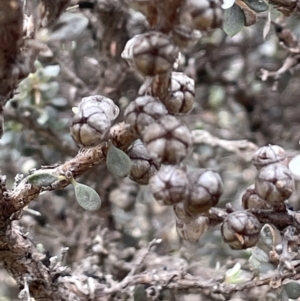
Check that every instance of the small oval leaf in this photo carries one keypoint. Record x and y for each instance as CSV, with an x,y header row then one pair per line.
x,y
234,20
257,5
292,289
86,196
118,163
42,178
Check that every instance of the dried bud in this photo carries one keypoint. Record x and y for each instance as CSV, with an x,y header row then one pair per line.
x,y
144,111
182,94
181,214
168,140
143,166
185,37
240,230
251,200
202,14
94,119
146,7
192,230
150,53
169,185
205,189
274,183
268,155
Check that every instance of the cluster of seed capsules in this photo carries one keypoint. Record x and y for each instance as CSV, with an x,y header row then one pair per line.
x,y
274,184
163,141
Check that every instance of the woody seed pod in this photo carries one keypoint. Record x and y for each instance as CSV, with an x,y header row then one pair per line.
x,y
274,183
182,94
268,155
202,14
180,212
251,200
205,189
191,231
94,119
240,230
185,37
169,185
143,166
146,7
150,53
144,111
168,140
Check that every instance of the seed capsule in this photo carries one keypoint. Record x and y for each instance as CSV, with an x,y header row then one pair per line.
x,y
182,94
169,185
251,200
184,36
274,183
191,231
94,119
150,53
180,213
240,230
202,14
205,189
168,140
143,111
143,166
268,155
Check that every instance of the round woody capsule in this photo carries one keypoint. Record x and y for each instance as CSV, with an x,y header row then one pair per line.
x,y
180,212
274,183
205,189
268,155
151,53
192,230
184,36
169,185
143,166
144,111
240,230
168,140
202,14
146,7
93,120
182,94
251,200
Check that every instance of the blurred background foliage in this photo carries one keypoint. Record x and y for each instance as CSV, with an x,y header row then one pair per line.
x,y
232,103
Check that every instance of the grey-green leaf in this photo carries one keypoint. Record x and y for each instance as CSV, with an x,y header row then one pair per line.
x,y
233,21
118,163
86,196
42,178
69,27
292,289
257,5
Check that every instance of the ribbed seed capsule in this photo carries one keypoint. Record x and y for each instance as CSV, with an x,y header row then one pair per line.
x,y
146,7
205,189
144,111
94,119
143,166
268,155
191,231
274,183
240,230
168,140
150,53
169,185
182,94
202,14
180,213
251,200
184,36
